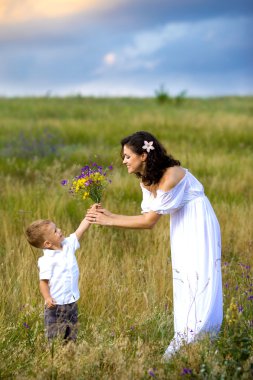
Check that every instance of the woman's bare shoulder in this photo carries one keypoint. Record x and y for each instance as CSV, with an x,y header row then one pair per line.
x,y
171,178
146,187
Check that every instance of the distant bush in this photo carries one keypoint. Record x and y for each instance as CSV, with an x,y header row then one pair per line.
x,y
180,97
163,96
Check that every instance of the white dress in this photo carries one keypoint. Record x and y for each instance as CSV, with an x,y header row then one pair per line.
x,y
196,259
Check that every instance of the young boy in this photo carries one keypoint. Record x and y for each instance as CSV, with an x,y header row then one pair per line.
x,y
58,273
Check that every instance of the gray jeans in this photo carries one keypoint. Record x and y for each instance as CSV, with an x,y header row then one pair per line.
x,y
61,321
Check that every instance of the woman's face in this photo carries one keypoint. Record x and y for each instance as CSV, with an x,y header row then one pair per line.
x,y
135,163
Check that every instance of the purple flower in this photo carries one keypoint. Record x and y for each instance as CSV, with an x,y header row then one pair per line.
x,y
26,325
240,309
250,298
81,176
186,371
64,182
151,372
110,167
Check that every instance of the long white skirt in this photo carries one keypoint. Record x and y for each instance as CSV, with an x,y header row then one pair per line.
x,y
196,264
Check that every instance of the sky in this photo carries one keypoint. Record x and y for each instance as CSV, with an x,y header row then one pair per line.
x,y
126,47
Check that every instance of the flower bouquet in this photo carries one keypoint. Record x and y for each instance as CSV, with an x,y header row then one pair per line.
x,y
90,183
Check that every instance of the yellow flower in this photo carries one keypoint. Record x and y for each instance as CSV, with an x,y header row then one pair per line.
x,y
232,312
85,195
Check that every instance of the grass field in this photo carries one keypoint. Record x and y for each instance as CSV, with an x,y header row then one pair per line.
x,y
125,275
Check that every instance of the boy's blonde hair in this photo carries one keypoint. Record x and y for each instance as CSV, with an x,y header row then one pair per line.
x,y
35,232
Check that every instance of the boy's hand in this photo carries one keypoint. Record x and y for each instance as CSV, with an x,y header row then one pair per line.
x,y
50,303
94,207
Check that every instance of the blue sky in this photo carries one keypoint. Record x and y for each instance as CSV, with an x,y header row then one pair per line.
x,y
126,47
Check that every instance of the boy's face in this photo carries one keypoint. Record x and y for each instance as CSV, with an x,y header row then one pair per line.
x,y
53,237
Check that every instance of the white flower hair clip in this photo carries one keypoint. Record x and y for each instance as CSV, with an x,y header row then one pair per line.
x,y
148,146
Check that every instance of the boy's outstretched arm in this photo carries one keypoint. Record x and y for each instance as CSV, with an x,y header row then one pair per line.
x,y
84,225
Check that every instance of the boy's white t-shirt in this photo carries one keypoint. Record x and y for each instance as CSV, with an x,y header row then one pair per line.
x,y
61,269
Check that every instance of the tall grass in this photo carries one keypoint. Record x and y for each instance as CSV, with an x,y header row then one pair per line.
x,y
125,308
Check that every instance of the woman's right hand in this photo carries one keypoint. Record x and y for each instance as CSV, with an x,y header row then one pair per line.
x,y
104,211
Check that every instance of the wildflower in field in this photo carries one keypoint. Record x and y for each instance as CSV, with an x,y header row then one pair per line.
x,y
151,372
240,309
186,371
90,183
232,312
26,325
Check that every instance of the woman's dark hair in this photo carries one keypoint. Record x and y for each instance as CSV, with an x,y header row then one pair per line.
x,y
157,159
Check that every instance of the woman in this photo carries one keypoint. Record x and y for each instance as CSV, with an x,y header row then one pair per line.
x,y
168,188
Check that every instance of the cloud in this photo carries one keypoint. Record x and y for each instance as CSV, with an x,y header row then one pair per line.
x,y
110,59
131,44
23,19
16,11
202,44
